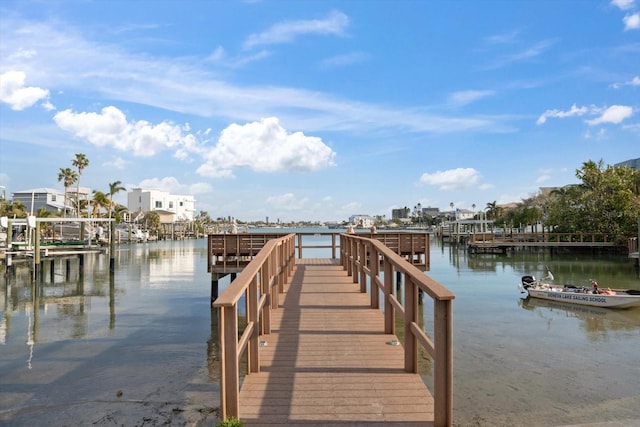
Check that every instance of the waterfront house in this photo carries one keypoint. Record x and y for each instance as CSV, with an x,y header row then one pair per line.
x,y
147,200
37,198
362,221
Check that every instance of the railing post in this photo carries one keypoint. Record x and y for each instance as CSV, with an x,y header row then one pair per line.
x,y
389,310
290,257
333,246
283,266
348,250
273,285
299,245
229,381
265,276
443,363
357,260
410,314
253,316
355,254
363,265
374,262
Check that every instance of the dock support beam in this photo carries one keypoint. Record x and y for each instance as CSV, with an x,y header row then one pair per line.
x,y
36,253
112,247
215,278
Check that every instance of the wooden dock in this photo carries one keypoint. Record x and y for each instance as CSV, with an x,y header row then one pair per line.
x,y
318,337
489,243
328,361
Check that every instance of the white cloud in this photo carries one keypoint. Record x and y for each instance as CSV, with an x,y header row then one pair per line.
x,y
632,22
633,82
111,128
600,134
116,163
351,207
173,186
344,60
614,114
485,187
573,111
265,146
451,179
635,127
524,55
14,92
505,38
185,86
542,178
285,32
623,4
468,96
287,202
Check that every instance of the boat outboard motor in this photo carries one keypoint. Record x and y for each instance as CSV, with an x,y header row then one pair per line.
x,y
528,281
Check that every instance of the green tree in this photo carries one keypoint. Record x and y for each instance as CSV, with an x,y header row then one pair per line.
x,y
114,188
68,177
606,201
152,221
14,209
80,162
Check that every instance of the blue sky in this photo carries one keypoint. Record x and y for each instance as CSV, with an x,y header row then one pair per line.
x,y
318,110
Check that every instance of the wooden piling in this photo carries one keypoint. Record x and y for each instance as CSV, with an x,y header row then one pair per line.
x,y
112,248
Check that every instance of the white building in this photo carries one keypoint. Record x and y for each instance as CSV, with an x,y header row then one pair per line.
x,y
362,221
143,200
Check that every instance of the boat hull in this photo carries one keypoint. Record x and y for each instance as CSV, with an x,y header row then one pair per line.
x,y
595,300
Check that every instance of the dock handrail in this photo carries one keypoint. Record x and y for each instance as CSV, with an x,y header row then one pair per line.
x,y
261,282
232,252
365,257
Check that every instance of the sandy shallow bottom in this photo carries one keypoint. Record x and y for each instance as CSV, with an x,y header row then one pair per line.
x,y
177,396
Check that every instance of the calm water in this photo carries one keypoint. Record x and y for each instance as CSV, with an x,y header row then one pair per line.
x,y
139,349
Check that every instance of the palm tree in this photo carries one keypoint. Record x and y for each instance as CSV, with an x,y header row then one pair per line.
x,y
119,211
492,210
114,187
80,162
100,200
68,178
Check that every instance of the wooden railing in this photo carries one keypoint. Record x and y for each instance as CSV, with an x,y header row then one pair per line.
x,y
261,282
561,239
232,252
365,257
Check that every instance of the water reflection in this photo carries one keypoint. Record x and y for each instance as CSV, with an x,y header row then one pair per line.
x,y
61,293
146,332
69,342
610,271
593,320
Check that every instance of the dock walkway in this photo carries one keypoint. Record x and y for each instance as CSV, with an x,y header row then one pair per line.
x,y
327,360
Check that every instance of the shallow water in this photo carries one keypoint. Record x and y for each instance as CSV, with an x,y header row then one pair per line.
x,y
134,350
139,349
531,362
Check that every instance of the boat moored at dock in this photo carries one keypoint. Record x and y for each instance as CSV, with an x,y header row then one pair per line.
x,y
582,295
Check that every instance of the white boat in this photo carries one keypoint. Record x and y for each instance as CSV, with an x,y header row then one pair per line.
x,y
582,295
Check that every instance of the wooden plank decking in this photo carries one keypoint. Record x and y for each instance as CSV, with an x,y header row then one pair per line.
x,y
329,362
